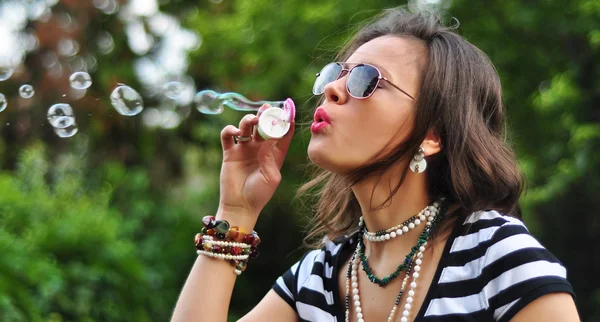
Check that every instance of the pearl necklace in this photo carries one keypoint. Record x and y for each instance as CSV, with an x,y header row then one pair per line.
x,y
353,276
427,214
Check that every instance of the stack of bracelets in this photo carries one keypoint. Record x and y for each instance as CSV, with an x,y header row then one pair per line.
x,y
219,240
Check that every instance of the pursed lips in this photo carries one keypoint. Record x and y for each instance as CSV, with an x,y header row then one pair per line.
x,y
321,120
321,116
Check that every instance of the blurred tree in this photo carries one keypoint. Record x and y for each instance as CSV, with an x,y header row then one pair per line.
x,y
67,253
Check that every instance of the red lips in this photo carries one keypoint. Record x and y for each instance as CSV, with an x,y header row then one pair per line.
x,y
321,120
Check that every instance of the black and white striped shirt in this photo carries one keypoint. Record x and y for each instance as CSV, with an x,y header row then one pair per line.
x,y
490,269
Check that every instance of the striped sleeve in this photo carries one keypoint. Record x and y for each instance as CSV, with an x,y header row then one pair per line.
x,y
286,285
518,270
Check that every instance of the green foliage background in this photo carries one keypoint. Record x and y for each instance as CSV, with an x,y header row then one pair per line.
x,y
99,227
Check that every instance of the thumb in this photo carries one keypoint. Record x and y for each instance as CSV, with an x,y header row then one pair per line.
x,y
267,163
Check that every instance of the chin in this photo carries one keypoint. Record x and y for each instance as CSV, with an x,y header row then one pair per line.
x,y
327,159
316,152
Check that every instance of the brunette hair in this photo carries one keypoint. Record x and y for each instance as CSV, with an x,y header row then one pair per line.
x,y
461,99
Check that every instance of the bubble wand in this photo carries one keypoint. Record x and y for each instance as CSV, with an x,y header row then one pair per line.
x,y
273,122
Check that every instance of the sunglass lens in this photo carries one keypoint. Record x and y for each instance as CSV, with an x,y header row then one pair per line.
x,y
362,81
328,74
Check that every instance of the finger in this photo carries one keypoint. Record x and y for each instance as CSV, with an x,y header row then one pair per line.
x,y
246,124
256,136
268,165
227,135
282,147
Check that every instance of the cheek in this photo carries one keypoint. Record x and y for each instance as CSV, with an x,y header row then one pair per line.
x,y
357,143
360,133
375,132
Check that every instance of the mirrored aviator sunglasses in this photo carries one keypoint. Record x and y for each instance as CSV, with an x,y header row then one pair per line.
x,y
363,80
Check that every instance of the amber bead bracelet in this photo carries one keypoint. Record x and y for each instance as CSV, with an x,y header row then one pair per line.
x,y
219,239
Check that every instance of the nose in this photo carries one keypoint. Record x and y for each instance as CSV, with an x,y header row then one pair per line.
x,y
335,91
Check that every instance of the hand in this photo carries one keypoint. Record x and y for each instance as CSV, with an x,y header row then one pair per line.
x,y
250,172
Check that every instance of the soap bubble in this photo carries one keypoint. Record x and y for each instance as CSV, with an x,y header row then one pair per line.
x,y
208,102
5,73
108,7
80,80
67,132
91,63
173,90
126,101
76,64
65,21
26,91
3,102
105,42
68,47
61,115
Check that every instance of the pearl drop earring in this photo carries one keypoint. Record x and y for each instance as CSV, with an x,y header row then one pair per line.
x,y
418,163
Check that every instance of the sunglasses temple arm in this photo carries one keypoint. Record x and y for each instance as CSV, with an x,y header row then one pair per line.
x,y
398,88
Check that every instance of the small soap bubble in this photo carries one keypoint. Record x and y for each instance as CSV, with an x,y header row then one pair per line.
x,y
105,42
68,47
3,102
67,132
77,64
80,80
26,91
61,115
208,102
126,101
108,7
173,90
91,63
5,73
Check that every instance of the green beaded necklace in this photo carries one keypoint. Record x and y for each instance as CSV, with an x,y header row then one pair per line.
x,y
407,260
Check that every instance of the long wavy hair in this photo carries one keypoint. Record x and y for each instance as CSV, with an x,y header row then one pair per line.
x,y
461,99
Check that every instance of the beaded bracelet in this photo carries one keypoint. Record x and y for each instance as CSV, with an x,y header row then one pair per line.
x,y
220,240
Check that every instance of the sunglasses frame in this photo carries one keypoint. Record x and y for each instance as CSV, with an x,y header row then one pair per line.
x,y
379,79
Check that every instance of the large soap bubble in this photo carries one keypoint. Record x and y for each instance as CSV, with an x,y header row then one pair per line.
x,y
208,102
61,116
126,101
80,80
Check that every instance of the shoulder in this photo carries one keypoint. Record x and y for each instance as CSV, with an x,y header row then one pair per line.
x,y
309,285
485,228
502,244
316,265
320,262
495,258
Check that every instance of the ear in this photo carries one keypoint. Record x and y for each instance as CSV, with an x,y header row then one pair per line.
x,y
432,143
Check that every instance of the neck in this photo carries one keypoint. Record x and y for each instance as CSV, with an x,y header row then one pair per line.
x,y
409,200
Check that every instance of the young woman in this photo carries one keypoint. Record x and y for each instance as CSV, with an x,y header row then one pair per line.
x,y
417,194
